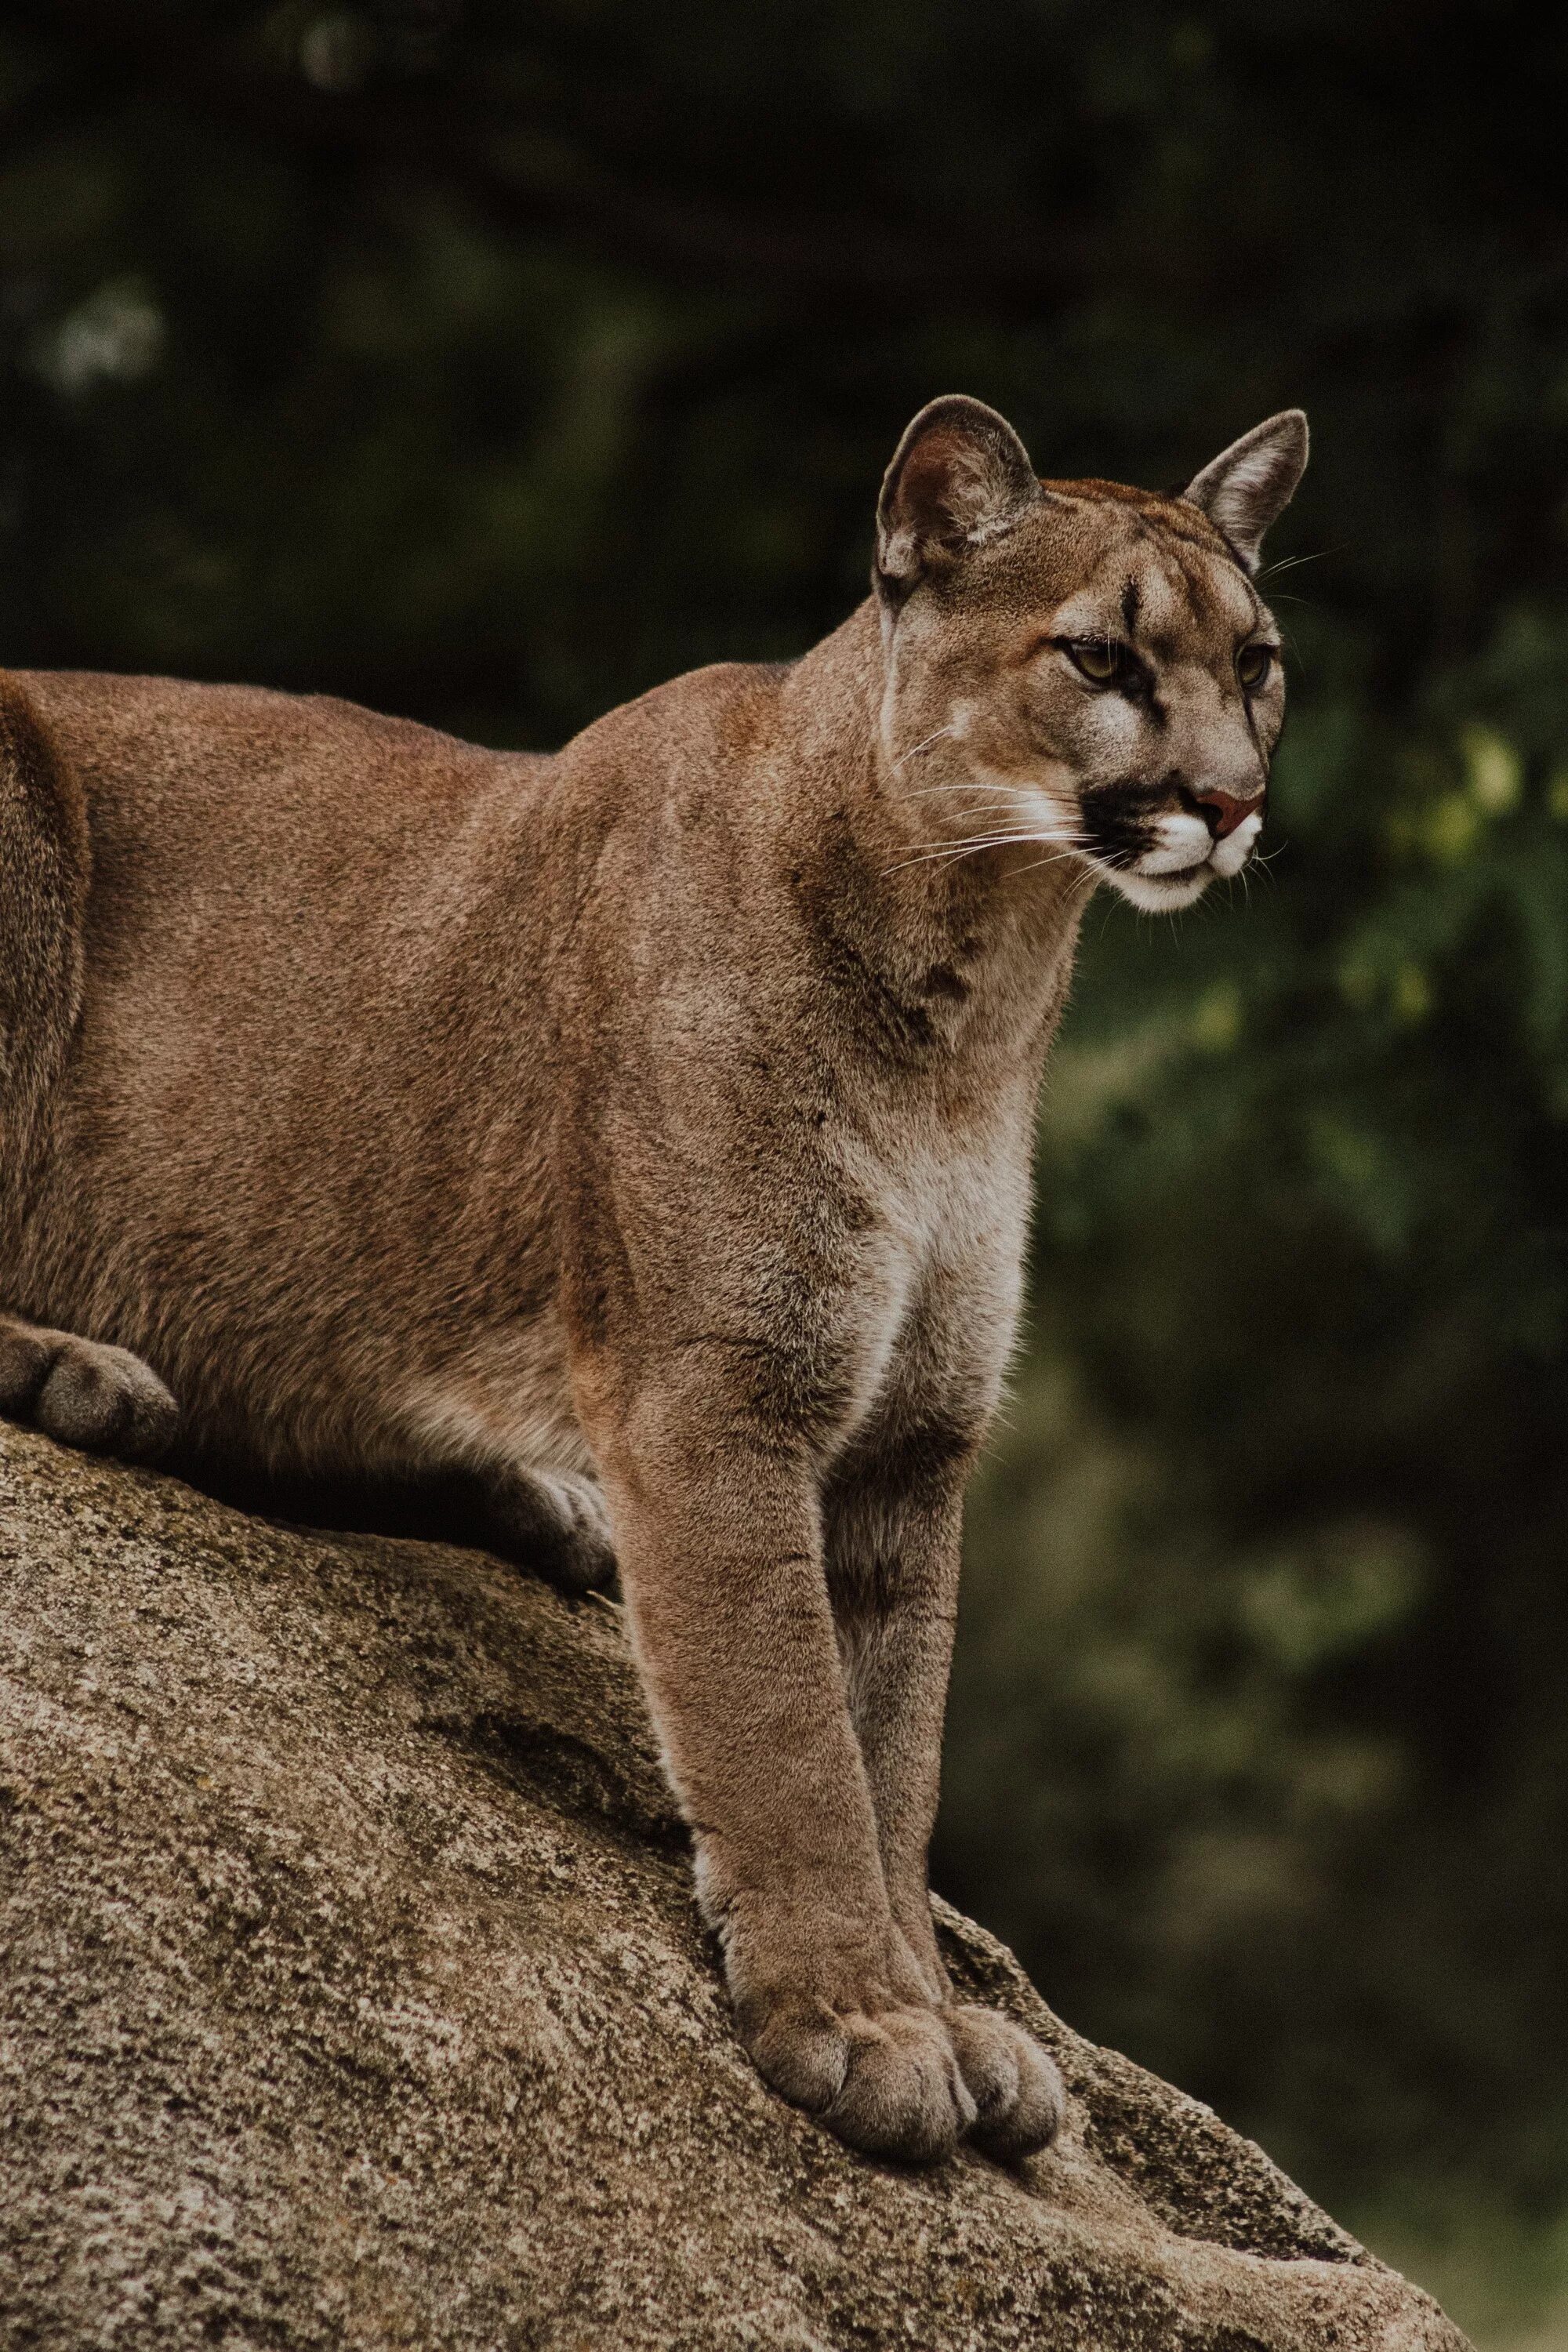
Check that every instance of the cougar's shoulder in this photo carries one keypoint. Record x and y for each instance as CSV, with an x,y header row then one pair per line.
x,y
711,721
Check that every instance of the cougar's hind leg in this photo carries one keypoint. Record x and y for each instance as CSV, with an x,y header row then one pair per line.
x,y
45,865
102,1399
80,1391
552,1522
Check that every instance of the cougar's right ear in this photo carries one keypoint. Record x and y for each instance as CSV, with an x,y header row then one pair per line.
x,y
960,476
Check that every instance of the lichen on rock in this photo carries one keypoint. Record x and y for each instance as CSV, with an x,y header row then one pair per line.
x,y
351,1996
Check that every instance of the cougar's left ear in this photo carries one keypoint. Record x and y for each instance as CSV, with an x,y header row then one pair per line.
x,y
1249,485
960,476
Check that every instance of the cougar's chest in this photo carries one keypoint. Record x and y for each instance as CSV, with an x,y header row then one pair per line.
x,y
932,1302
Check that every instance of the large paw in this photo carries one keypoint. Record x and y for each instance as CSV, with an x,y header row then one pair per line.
x,y
888,2083
99,1398
555,1523
1017,2090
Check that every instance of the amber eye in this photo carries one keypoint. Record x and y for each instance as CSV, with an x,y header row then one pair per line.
x,y
1097,657
1253,664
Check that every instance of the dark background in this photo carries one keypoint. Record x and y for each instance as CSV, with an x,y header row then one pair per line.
x,y
488,364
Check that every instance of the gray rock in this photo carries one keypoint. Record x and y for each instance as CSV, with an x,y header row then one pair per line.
x,y
351,1996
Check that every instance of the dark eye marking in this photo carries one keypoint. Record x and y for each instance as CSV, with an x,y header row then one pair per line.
x,y
1131,601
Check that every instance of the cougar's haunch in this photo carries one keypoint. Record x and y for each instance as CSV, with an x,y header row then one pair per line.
x,y
643,1132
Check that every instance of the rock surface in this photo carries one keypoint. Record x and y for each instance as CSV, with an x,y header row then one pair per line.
x,y
351,1996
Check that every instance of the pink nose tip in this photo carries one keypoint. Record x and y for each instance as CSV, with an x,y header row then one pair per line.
x,y
1228,811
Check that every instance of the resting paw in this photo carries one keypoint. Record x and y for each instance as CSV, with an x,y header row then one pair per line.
x,y
84,1392
1018,2090
888,2082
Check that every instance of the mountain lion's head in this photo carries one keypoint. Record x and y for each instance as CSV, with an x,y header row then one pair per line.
x,y
1077,669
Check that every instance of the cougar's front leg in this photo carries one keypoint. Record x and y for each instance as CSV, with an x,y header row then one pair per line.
x,y
718,1535
892,1549
894,1537
83,1391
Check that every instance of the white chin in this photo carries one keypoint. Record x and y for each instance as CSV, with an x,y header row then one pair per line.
x,y
1159,893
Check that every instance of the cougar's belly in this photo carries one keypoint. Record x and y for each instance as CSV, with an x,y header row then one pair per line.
x,y
503,1400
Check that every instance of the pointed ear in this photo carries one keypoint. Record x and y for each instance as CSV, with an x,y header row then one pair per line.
x,y
1249,485
960,476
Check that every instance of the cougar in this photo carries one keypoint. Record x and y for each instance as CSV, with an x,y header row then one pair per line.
x,y
643,1134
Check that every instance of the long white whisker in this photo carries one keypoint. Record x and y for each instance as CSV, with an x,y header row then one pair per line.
x,y
1290,563
1007,834
975,784
930,851
1058,858
1000,839
934,737
987,808
938,853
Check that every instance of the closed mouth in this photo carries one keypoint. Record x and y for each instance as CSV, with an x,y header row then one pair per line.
x,y
1157,852
1155,889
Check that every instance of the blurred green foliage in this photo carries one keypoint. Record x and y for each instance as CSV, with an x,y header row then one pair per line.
x,y
489,364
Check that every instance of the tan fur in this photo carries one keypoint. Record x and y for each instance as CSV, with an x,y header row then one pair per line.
x,y
645,1131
